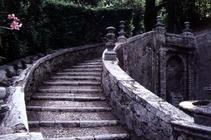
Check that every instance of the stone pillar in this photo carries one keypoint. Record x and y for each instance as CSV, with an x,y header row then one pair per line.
x,y
122,38
110,54
190,42
159,43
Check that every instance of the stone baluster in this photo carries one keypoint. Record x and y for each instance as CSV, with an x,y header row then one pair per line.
x,y
110,54
122,38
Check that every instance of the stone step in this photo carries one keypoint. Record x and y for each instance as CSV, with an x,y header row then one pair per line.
x,y
76,123
68,90
68,95
72,83
93,60
77,78
68,116
68,98
99,70
71,87
96,133
92,63
61,104
68,109
79,73
87,66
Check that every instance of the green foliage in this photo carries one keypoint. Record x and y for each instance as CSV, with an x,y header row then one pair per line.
x,y
135,4
79,25
52,24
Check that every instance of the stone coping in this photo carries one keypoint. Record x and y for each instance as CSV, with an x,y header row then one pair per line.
x,y
137,37
193,129
22,136
201,108
16,118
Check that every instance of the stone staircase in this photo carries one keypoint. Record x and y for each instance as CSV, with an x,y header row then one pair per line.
x,y
71,105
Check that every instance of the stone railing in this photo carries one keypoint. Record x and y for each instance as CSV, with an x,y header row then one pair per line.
x,y
150,57
145,59
12,95
139,48
203,38
24,86
144,113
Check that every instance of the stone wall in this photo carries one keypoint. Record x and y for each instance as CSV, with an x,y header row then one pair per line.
x,y
144,113
162,62
204,68
138,59
26,83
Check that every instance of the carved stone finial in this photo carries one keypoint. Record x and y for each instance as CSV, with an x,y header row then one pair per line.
x,y
122,37
110,44
159,22
160,27
187,27
110,38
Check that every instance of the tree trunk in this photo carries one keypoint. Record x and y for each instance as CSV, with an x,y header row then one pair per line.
x,y
150,15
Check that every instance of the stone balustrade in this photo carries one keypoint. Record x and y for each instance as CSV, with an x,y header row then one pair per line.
x,y
144,113
22,87
137,79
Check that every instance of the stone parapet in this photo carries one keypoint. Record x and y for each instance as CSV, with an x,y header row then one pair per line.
x,y
23,85
144,113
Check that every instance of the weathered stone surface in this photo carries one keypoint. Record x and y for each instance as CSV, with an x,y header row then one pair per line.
x,y
26,83
204,67
142,111
16,117
22,136
3,92
161,62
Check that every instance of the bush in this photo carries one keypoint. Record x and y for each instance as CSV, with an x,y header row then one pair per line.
x,y
79,25
52,24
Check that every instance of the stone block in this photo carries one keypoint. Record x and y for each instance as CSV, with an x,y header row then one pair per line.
x,y
3,92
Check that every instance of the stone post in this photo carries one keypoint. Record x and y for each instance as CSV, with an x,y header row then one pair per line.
x,y
110,54
160,62
190,42
122,38
188,35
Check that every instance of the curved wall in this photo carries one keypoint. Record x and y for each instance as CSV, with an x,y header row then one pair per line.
x,y
144,113
24,86
138,59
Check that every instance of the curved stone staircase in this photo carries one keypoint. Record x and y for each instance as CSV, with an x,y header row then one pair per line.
x,y
71,105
